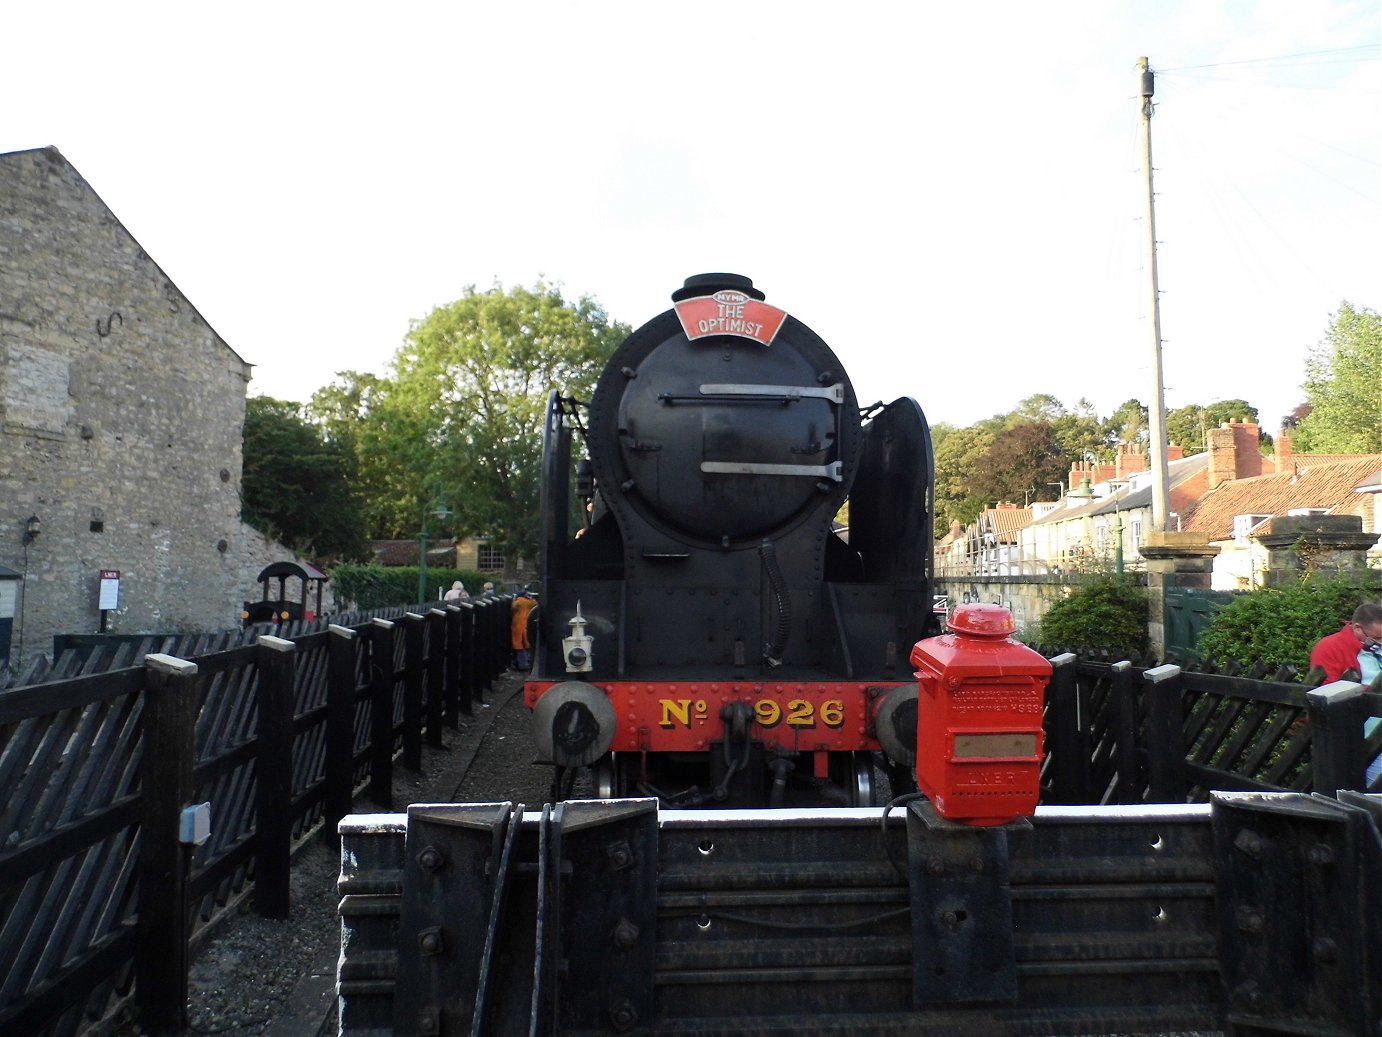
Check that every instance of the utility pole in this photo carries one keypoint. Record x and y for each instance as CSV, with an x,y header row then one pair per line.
x,y
1156,413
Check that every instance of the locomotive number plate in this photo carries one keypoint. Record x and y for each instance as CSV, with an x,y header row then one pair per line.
x,y
767,712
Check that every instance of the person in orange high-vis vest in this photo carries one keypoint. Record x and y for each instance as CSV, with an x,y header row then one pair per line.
x,y
522,648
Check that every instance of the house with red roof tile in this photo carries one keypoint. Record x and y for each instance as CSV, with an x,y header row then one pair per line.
x,y
1104,507
1229,513
1226,492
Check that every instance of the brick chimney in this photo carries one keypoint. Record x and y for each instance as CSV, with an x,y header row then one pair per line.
x,y
1222,447
1174,452
1285,452
1233,452
1247,437
1129,461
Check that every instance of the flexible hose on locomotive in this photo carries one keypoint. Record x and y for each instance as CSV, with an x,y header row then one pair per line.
x,y
772,651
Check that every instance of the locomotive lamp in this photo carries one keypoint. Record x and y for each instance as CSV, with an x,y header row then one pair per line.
x,y
575,649
979,707
31,530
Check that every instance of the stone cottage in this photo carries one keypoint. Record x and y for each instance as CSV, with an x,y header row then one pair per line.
x,y
121,423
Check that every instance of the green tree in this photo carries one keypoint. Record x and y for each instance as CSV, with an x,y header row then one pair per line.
x,y
1129,424
359,411
1186,426
1019,462
1343,384
1038,407
298,483
1107,614
1080,433
959,453
459,420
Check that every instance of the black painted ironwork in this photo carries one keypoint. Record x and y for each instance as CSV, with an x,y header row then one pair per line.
x,y
1257,913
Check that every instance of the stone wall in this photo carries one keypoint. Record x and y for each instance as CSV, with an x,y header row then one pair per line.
x,y
121,422
1026,597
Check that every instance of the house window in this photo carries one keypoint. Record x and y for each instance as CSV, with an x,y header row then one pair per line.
x,y
488,558
1136,532
1101,534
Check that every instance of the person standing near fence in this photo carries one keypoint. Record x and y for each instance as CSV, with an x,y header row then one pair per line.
x,y
1351,647
1355,653
522,646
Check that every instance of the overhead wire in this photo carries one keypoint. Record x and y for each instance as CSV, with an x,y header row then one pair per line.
x,y
1374,48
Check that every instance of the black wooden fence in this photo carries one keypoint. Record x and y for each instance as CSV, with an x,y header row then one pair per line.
x,y
279,731
104,884
1122,734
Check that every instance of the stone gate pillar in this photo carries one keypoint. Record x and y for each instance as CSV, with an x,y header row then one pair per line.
x,y
1174,560
1326,544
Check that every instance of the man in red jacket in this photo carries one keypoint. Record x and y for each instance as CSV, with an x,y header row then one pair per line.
x,y
1340,651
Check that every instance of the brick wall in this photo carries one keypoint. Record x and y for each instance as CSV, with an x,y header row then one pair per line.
x,y
121,421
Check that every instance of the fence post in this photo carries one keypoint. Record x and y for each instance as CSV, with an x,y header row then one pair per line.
x,y
381,680
1068,773
274,776
503,644
1125,731
1165,735
1336,736
480,651
341,696
166,787
456,700
436,673
412,691
470,664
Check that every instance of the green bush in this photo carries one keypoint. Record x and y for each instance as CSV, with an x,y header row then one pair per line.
x,y
379,586
1105,615
1279,625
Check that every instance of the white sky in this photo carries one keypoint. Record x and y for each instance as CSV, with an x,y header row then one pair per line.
x,y
949,194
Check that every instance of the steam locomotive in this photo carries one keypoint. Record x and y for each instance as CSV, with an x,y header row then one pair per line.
x,y
709,634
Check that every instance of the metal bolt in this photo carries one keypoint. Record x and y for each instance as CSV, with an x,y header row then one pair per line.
x,y
625,934
977,863
935,866
1325,950
1249,921
430,940
430,859
429,1021
623,1015
1321,855
620,855
1250,996
1250,843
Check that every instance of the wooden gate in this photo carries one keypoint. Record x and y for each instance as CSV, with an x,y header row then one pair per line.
x,y
1188,612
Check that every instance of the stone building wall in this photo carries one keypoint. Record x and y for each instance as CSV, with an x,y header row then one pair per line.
x,y
1026,597
121,423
